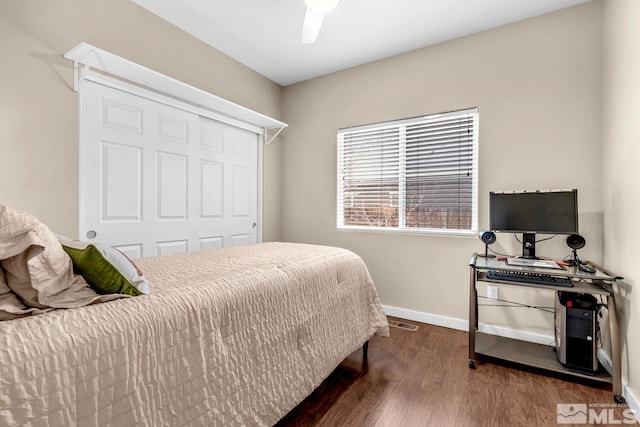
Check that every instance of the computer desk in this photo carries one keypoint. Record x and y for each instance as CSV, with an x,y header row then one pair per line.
x,y
535,355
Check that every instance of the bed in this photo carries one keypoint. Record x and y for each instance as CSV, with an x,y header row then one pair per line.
x,y
234,336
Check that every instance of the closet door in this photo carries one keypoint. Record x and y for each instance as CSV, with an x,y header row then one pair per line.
x,y
157,179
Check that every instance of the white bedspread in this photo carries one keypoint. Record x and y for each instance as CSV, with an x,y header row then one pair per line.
x,y
227,337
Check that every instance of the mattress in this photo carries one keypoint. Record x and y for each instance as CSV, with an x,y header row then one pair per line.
x,y
234,336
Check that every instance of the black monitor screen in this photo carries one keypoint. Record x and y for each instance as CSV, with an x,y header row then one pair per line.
x,y
551,212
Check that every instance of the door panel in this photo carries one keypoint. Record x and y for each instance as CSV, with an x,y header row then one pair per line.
x,y
241,191
212,184
175,247
172,186
122,117
156,179
132,251
211,242
240,239
121,182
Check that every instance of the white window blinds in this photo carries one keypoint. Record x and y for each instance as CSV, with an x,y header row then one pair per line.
x,y
412,175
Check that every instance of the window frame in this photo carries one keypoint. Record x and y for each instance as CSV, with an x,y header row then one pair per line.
x,y
401,228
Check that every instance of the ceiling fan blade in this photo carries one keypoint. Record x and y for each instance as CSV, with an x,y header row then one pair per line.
x,y
311,26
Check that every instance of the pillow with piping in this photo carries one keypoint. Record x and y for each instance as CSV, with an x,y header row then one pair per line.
x,y
106,269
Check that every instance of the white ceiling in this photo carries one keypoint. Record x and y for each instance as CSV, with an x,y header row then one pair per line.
x,y
265,34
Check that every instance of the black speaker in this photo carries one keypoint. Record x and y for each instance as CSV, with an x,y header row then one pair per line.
x,y
487,237
576,241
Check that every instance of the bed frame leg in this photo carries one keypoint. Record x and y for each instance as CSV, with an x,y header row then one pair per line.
x,y
365,361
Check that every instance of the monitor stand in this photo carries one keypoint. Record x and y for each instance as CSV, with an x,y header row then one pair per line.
x,y
529,245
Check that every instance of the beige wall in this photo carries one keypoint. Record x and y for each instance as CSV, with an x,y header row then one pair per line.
x,y
537,84
39,110
621,175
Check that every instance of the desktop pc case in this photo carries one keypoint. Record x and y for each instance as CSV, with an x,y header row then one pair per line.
x,y
576,327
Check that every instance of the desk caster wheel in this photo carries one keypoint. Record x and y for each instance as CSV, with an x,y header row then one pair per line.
x,y
472,364
620,400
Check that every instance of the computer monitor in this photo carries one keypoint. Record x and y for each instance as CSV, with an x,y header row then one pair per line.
x,y
531,212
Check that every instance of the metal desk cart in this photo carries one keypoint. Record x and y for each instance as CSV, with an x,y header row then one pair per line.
x,y
537,355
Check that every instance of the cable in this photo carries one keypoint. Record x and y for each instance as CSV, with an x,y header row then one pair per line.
x,y
515,304
497,253
513,256
602,303
537,241
598,314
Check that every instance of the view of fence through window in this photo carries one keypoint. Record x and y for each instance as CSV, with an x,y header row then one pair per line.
x,y
418,174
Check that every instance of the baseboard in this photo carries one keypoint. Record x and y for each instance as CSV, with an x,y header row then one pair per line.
x,y
605,361
632,401
518,335
463,325
431,319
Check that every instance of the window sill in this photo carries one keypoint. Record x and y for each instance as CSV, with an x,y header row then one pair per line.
x,y
420,232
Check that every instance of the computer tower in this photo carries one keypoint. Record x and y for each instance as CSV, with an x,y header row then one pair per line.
x,y
576,326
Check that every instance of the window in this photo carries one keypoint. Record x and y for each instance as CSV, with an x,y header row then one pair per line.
x,y
418,175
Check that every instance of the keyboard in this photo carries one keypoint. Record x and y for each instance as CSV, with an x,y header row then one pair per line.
x,y
529,277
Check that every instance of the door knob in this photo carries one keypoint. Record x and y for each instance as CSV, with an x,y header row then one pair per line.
x,y
254,225
91,234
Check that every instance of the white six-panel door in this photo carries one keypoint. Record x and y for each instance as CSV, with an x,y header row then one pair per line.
x,y
156,179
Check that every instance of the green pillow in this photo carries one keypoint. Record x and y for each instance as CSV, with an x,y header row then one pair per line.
x,y
104,268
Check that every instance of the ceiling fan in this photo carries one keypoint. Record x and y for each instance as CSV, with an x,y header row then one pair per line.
x,y
316,9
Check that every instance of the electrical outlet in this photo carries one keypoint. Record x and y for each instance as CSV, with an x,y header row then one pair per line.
x,y
492,293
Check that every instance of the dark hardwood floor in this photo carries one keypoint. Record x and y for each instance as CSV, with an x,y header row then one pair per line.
x,y
423,378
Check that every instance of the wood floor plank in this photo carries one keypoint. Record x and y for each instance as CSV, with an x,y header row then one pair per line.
x,y
423,378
